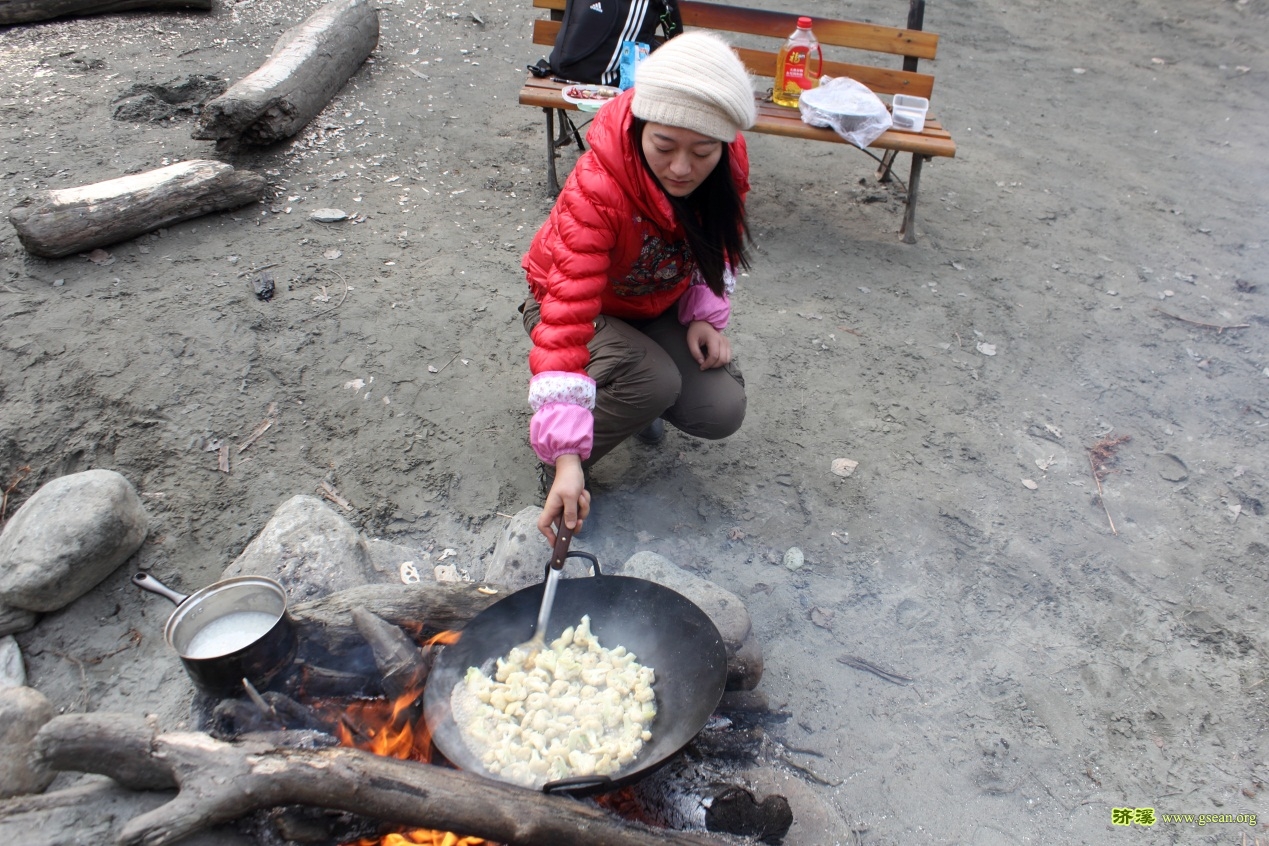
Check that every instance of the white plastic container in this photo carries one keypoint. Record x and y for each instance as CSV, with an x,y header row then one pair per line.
x,y
908,112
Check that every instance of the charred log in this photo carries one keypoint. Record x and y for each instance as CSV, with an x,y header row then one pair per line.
x,y
219,782
65,221
308,66
27,11
744,702
737,811
232,718
402,665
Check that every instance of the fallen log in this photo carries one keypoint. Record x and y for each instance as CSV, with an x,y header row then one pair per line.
x,y
64,221
444,606
92,811
27,11
218,782
309,64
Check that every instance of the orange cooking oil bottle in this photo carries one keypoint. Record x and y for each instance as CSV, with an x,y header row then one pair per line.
x,y
798,65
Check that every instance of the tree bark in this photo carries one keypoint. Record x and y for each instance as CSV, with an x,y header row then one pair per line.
x,y
64,221
308,66
26,11
438,607
219,782
91,811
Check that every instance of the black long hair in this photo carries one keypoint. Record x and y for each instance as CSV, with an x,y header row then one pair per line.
x,y
713,216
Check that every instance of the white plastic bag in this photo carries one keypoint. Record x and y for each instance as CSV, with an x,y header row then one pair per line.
x,y
847,107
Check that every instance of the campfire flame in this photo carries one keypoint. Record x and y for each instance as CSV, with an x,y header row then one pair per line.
x,y
398,730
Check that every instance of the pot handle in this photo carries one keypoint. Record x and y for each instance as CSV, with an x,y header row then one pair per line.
x,y
577,553
575,783
147,582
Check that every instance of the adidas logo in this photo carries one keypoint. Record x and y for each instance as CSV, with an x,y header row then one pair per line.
x,y
597,7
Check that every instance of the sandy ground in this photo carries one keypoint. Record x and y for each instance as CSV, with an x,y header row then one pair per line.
x,y
1110,181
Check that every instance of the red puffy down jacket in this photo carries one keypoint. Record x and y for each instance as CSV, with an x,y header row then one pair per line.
x,y
583,261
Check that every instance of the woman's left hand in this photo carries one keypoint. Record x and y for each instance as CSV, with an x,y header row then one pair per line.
x,y
707,345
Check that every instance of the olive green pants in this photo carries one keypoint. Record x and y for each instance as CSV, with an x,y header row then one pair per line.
x,y
643,370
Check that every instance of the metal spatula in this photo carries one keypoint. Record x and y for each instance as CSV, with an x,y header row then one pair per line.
x,y
562,540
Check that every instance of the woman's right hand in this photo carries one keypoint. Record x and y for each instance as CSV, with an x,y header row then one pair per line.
x,y
568,499
707,345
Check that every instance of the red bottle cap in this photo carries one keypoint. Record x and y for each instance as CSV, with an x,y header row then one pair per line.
x,y
804,22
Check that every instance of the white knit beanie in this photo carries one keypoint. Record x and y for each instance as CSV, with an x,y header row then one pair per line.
x,y
695,81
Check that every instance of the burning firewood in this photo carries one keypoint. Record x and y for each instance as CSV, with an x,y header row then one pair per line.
x,y
218,782
402,665
449,606
233,718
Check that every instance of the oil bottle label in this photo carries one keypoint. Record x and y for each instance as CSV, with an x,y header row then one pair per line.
x,y
795,67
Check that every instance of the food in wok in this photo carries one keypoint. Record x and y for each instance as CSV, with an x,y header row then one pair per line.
x,y
575,708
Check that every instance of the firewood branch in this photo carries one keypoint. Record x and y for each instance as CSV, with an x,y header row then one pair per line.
x,y
219,782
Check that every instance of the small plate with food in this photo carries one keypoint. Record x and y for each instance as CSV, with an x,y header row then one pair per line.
x,y
589,97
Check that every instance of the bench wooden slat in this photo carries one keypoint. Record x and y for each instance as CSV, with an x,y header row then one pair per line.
x,y
854,34
762,63
880,80
777,120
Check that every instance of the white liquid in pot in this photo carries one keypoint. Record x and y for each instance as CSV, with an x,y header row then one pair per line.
x,y
229,634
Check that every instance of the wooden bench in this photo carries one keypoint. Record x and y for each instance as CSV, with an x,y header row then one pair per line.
x,y
867,41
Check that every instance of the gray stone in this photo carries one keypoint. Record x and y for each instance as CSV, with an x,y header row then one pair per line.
x,y
794,558
722,606
310,549
745,665
12,670
387,557
328,215
73,533
14,620
22,711
520,556
815,822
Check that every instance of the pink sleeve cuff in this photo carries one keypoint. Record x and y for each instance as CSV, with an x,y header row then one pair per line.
x,y
700,303
561,386
561,428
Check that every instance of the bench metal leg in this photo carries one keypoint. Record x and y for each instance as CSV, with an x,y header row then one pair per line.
x,y
552,181
887,162
908,229
565,126
568,132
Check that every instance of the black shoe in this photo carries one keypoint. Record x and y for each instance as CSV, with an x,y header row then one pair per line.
x,y
653,433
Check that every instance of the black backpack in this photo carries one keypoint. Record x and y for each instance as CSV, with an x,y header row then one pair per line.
x,y
588,46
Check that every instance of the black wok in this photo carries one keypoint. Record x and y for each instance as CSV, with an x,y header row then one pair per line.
x,y
662,628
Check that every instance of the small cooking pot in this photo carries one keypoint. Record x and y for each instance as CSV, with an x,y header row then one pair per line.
x,y
232,630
